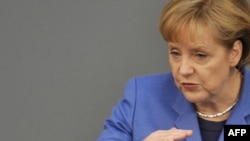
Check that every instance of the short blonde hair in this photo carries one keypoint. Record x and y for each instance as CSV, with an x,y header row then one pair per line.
x,y
229,20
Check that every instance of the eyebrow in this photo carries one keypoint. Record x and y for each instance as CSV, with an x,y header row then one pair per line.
x,y
197,47
169,44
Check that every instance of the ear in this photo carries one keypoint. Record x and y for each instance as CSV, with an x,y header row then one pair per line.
x,y
235,53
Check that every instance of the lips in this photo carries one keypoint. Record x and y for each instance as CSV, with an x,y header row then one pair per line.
x,y
189,86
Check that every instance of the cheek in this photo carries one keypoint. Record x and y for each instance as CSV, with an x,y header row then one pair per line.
x,y
174,71
176,77
173,66
214,80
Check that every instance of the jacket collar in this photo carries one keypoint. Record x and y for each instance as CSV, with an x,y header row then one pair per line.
x,y
187,118
241,109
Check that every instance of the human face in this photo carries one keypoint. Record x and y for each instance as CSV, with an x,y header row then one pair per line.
x,y
201,67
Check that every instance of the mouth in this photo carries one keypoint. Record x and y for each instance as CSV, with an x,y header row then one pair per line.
x,y
189,86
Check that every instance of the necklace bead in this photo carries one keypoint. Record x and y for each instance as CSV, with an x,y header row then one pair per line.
x,y
218,114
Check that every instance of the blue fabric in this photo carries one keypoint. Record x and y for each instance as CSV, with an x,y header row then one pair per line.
x,y
153,103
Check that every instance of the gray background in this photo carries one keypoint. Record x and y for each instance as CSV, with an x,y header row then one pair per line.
x,y
64,63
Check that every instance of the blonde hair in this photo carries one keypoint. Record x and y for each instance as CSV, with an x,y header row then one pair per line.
x,y
228,19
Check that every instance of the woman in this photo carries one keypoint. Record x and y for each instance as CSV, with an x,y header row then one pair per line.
x,y
208,43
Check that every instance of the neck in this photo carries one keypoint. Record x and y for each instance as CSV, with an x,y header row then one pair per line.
x,y
218,108
219,114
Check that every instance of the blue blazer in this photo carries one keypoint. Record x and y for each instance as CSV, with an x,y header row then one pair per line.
x,y
153,102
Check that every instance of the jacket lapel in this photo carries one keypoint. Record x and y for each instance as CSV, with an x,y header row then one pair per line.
x,y
187,118
238,117
242,109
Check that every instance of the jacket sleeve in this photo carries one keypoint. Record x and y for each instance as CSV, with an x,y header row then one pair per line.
x,y
119,126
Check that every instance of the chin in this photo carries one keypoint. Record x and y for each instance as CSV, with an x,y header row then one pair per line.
x,y
194,97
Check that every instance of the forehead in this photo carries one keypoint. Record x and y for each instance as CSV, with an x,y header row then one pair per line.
x,y
202,38
199,35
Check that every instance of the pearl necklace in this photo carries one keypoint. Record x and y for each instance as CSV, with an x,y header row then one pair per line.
x,y
218,114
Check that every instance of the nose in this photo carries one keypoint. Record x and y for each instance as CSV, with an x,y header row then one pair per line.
x,y
186,67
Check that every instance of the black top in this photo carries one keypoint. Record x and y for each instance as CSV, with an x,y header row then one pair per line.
x,y
210,130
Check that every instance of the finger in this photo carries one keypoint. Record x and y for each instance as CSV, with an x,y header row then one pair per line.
x,y
169,135
179,134
175,134
182,134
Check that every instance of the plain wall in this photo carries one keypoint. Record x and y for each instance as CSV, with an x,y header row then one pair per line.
x,y
64,63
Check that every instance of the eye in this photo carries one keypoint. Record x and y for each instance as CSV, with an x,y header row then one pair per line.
x,y
200,55
175,53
